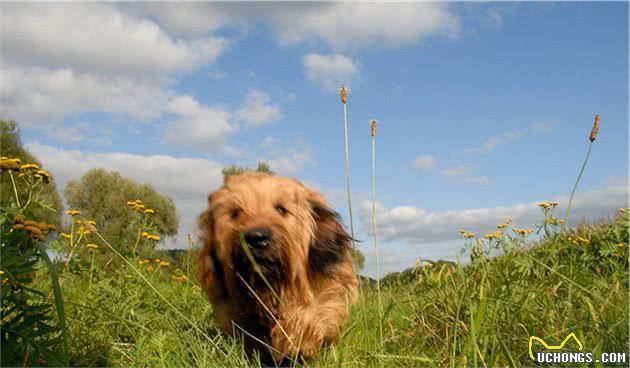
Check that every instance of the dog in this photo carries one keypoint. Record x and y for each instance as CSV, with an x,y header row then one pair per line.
x,y
276,265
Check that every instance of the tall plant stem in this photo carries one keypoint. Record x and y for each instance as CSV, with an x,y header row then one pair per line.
x,y
345,127
566,216
378,274
17,198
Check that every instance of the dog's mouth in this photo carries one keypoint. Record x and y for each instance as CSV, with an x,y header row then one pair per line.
x,y
257,265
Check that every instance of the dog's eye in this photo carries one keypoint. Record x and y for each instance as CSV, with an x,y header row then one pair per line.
x,y
281,210
235,213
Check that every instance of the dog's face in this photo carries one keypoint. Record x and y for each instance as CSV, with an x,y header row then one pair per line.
x,y
287,230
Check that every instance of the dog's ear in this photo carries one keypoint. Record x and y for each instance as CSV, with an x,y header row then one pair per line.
x,y
210,270
330,243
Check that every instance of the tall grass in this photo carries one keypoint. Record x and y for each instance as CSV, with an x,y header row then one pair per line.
x,y
591,138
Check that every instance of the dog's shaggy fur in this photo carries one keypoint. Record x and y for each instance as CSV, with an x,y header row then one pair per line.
x,y
298,245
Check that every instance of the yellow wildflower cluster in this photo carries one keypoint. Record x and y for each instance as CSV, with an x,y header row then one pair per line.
x,y
73,213
494,235
29,166
143,261
522,232
10,163
547,205
139,207
578,240
505,224
163,263
91,246
37,230
465,234
150,237
554,220
182,278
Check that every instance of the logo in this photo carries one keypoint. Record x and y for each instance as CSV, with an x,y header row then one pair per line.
x,y
553,347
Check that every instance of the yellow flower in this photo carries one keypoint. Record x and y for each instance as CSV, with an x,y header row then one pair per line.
x,y
143,261
1,272
10,163
462,231
29,166
4,281
417,262
502,226
91,246
469,235
149,211
19,218
621,245
51,227
152,237
67,236
18,227
73,212
157,260
164,264
150,268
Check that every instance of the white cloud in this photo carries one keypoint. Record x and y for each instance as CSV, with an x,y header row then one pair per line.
x,y
188,181
416,225
206,128
200,127
99,38
425,162
60,59
500,139
285,159
329,71
456,170
353,25
217,75
339,25
257,110
34,94
463,174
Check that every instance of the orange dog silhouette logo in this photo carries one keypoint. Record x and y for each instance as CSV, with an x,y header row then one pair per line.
x,y
553,347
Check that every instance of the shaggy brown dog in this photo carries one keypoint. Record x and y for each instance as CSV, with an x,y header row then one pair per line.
x,y
276,265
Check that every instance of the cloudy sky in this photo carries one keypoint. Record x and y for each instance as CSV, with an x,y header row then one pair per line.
x,y
484,109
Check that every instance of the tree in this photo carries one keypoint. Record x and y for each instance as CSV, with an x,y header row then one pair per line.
x,y
359,258
11,147
234,170
102,196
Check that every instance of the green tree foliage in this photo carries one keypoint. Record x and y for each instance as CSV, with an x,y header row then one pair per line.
x,y
235,169
359,258
102,196
11,147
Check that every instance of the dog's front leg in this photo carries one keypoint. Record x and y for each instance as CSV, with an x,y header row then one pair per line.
x,y
298,335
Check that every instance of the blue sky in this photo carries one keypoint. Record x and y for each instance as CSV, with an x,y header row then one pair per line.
x,y
483,108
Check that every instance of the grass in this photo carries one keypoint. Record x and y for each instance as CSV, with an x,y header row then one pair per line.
x,y
482,314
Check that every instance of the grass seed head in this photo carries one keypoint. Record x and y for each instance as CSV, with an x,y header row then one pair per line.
x,y
595,129
373,125
343,93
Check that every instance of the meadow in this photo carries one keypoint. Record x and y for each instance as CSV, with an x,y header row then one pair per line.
x,y
111,304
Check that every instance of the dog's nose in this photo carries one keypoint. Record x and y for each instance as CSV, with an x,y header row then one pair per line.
x,y
258,237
